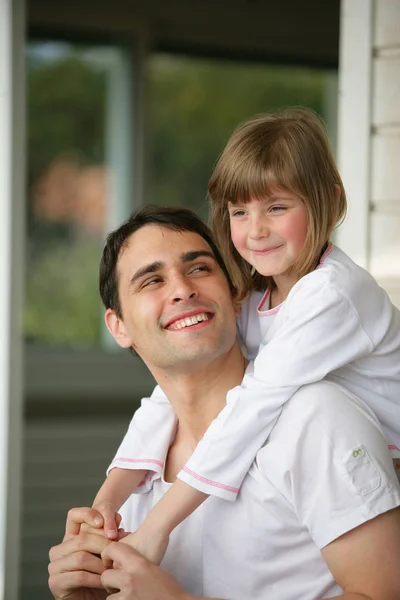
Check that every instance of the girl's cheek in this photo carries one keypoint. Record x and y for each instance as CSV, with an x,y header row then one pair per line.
x,y
237,239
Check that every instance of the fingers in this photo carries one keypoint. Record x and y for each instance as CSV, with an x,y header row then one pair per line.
x,y
77,516
76,564
114,580
137,577
95,530
77,561
117,578
124,555
122,534
111,519
61,584
84,541
110,526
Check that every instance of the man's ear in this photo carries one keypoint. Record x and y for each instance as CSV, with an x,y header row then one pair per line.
x,y
238,309
117,329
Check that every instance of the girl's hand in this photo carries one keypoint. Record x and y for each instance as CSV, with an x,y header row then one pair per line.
x,y
89,520
150,544
110,519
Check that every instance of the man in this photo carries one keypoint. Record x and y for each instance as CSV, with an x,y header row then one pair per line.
x,y
317,515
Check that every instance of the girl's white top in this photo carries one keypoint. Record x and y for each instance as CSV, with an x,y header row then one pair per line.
x,y
335,324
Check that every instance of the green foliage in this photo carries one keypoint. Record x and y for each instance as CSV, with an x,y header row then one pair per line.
x,y
66,104
66,118
62,290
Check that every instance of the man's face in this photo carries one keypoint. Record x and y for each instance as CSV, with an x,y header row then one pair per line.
x,y
176,303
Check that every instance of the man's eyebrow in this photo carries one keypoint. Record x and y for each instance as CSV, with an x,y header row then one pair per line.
x,y
151,268
195,254
156,266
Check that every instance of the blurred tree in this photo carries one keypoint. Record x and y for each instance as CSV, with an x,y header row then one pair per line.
x,y
66,124
66,104
63,299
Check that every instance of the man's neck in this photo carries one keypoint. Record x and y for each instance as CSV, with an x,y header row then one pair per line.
x,y
198,395
197,399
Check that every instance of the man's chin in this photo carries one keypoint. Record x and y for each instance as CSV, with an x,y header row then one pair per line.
x,y
189,358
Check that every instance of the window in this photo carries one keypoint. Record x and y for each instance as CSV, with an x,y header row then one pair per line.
x,y
78,185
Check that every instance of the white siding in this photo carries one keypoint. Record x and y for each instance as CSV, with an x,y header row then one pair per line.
x,y
64,464
369,105
385,172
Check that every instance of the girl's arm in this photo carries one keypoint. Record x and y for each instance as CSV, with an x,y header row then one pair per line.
x,y
143,448
152,538
114,492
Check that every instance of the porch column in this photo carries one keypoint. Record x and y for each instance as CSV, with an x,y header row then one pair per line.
x,y
12,233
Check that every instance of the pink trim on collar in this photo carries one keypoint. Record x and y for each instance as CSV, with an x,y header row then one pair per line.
x,y
271,311
325,254
274,310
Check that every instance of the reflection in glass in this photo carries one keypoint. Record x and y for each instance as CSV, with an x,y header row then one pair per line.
x,y
67,192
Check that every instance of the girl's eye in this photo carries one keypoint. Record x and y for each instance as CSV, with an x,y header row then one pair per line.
x,y
278,208
237,213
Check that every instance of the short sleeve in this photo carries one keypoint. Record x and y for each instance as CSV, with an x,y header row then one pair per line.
x,y
147,440
340,472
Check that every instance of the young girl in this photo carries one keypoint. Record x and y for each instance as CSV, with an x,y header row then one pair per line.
x,y
276,197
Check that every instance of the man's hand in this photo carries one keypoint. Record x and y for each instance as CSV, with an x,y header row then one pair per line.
x,y
75,567
135,578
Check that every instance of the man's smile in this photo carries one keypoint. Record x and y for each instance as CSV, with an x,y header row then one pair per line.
x,y
189,320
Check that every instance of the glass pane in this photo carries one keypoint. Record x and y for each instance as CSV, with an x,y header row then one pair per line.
x,y
67,192
194,106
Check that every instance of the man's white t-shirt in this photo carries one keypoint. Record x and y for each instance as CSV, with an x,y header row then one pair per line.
x,y
325,470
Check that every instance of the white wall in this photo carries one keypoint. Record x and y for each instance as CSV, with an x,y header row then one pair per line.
x,y
369,136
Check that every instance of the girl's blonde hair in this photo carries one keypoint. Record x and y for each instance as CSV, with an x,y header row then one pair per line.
x,y
289,150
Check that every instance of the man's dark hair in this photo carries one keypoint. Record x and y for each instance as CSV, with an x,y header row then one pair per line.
x,y
177,219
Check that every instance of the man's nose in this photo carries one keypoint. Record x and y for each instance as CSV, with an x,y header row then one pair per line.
x,y
182,289
258,229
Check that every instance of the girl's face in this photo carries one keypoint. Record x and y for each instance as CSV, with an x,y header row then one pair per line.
x,y
270,233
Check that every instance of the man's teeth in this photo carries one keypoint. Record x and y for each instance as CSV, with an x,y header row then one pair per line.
x,y
191,321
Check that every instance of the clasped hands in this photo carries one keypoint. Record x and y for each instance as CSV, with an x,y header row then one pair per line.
x,y
80,566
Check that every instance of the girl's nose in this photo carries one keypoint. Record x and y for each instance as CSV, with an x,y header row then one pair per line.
x,y
258,229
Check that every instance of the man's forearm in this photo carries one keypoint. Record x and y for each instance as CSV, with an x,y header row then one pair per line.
x,y
350,596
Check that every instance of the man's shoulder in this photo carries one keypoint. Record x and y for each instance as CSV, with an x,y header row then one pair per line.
x,y
321,415
324,402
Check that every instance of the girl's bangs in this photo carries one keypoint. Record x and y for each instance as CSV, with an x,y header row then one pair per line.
x,y
254,180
